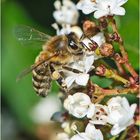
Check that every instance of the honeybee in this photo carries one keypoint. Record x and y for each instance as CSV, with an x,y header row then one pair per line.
x,y
57,53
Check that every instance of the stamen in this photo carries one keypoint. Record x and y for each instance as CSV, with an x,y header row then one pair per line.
x,y
93,1
109,9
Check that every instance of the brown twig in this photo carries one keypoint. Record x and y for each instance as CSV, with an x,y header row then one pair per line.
x,y
108,73
120,68
99,93
122,49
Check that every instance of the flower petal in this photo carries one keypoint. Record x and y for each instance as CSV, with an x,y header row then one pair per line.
x,y
118,11
90,128
86,6
125,104
88,62
82,97
88,9
57,5
77,30
99,38
69,81
121,2
133,108
92,132
117,129
100,13
79,112
82,79
91,111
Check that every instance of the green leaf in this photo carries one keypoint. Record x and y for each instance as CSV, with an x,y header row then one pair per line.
x,y
101,81
129,29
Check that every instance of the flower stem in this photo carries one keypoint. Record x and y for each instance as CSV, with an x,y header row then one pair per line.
x,y
124,134
122,49
103,71
114,138
99,93
120,68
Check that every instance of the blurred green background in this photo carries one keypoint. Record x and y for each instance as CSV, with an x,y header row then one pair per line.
x,y
19,98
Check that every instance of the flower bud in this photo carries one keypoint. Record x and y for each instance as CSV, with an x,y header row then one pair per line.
x,y
90,28
118,58
103,23
93,46
114,37
101,70
106,49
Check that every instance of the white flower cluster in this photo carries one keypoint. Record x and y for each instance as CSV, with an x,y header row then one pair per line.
x,y
117,112
66,15
102,7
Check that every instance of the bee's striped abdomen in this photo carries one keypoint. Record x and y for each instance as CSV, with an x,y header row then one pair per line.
x,y
41,80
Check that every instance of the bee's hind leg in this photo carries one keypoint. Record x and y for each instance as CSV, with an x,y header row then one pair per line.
x,y
71,69
58,76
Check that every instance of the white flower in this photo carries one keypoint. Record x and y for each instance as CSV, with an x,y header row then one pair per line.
x,y
102,7
84,66
120,114
87,6
78,104
66,29
62,136
100,115
91,133
80,79
66,13
98,38
41,112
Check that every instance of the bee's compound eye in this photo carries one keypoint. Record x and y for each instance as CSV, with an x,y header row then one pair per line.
x,y
73,45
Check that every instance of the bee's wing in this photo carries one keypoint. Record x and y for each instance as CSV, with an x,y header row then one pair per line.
x,y
29,69
28,35
24,73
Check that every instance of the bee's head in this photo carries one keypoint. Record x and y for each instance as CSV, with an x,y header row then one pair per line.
x,y
73,45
